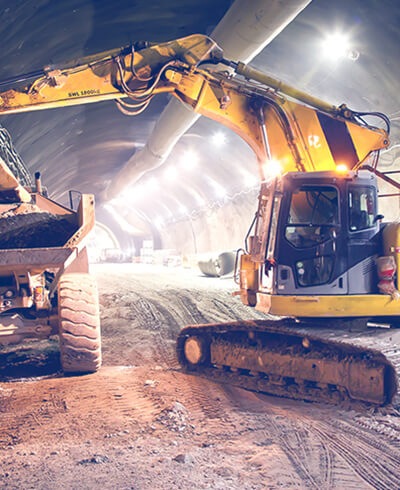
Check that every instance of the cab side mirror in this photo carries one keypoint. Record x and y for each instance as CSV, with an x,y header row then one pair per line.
x,y
378,217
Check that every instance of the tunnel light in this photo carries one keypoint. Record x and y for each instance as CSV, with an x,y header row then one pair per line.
x,y
219,190
200,201
218,139
170,214
152,185
171,174
341,168
249,180
159,222
353,54
336,46
120,220
272,168
134,194
183,209
189,160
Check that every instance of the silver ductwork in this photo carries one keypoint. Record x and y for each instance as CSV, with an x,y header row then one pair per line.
x,y
244,31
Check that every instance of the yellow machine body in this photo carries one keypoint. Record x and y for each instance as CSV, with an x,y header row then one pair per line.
x,y
295,137
329,306
391,245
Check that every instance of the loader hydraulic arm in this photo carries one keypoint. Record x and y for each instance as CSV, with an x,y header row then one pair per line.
x,y
307,136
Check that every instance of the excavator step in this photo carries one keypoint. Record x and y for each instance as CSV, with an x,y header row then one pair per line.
x,y
271,357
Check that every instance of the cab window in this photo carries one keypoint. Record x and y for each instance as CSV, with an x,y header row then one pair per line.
x,y
362,208
312,215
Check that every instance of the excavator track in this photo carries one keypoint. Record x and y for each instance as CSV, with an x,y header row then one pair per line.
x,y
276,358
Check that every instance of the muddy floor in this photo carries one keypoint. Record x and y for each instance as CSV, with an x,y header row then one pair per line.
x,y
140,423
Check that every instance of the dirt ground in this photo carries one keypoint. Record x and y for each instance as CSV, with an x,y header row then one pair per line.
x,y
140,423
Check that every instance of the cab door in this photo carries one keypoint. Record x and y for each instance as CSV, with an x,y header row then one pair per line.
x,y
311,253
363,236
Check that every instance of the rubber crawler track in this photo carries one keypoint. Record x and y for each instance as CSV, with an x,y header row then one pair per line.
x,y
288,387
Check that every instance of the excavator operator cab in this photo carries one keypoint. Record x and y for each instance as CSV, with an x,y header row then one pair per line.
x,y
328,234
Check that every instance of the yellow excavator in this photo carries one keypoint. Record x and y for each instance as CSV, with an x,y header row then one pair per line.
x,y
312,251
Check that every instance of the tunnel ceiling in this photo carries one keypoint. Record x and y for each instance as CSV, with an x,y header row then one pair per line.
x,y
82,147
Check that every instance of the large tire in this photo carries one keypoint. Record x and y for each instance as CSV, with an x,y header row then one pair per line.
x,y
79,323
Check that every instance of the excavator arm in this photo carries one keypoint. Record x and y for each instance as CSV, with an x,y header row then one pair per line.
x,y
132,71
285,135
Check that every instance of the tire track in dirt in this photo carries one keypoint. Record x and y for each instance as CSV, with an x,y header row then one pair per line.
x,y
165,326
369,435
296,446
208,402
375,467
110,399
309,458
151,325
202,402
158,315
165,323
204,399
327,465
388,428
189,308
320,455
371,456
300,447
344,451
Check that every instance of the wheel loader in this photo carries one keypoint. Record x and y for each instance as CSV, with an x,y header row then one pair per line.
x,y
311,255
45,285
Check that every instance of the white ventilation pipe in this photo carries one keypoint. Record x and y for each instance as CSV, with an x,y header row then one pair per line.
x,y
244,31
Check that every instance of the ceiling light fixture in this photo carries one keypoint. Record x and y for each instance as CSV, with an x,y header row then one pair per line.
x,y
120,220
183,209
200,201
189,160
159,222
219,190
218,139
171,173
336,46
152,185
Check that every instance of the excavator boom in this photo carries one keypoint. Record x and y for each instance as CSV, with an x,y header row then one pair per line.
x,y
311,137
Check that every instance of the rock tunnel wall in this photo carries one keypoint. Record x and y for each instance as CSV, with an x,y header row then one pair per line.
x,y
224,227
220,228
389,206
